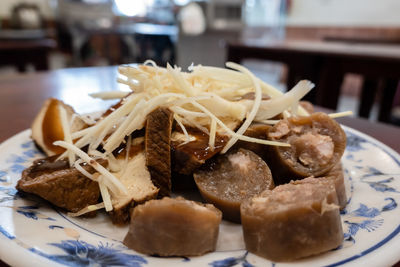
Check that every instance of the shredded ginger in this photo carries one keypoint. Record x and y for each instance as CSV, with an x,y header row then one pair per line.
x,y
208,98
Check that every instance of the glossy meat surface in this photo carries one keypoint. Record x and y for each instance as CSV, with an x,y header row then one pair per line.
x,y
59,184
188,156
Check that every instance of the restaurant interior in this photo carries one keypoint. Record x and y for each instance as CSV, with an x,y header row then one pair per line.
x,y
349,49
59,34
86,54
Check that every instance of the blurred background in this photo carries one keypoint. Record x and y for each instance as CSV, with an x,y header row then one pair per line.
x,y
40,35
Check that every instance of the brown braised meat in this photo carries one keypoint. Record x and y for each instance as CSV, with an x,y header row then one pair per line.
x,y
308,106
59,184
334,177
189,156
317,144
292,221
158,148
173,227
337,176
232,178
113,107
259,131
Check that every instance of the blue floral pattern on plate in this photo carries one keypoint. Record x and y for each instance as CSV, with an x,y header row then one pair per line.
x,y
232,261
32,213
370,220
80,253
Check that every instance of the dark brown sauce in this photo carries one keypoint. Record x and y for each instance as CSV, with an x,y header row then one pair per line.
x,y
48,165
120,151
199,147
52,128
51,164
112,109
133,151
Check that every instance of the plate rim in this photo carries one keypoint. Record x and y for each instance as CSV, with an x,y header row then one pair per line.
x,y
364,256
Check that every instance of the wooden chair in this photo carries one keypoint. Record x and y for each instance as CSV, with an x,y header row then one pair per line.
x,y
20,53
327,63
25,41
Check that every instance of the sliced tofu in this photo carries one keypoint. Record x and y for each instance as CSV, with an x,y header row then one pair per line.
x,y
136,178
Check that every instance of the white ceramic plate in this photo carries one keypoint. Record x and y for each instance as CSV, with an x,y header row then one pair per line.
x,y
33,233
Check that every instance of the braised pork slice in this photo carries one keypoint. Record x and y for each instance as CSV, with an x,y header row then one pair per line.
x,y
317,143
255,130
188,156
292,221
59,184
135,176
158,148
307,105
173,227
231,178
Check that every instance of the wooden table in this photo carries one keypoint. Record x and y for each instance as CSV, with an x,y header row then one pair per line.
x,y
326,63
21,97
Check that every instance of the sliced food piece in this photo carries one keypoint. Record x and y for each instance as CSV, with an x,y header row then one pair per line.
x,y
158,148
334,177
292,221
113,107
188,155
308,106
59,184
337,176
317,144
232,178
255,130
173,227
135,176
47,127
